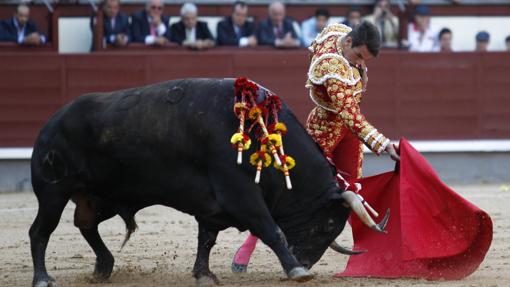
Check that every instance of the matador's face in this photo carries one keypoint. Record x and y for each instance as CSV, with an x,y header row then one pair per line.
x,y
356,56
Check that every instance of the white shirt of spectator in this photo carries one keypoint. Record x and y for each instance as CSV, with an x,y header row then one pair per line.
x,y
309,30
113,36
191,35
243,41
160,31
421,43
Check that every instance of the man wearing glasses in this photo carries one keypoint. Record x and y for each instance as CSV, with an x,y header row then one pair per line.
x,y
149,26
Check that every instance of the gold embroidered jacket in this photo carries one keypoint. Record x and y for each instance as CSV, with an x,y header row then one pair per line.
x,y
335,87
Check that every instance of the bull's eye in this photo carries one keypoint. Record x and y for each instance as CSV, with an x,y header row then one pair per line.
x,y
329,227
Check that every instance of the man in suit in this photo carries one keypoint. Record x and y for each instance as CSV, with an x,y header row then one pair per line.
x,y
115,24
149,26
235,30
189,32
20,29
277,30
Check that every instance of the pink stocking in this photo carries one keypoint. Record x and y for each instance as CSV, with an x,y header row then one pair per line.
x,y
243,255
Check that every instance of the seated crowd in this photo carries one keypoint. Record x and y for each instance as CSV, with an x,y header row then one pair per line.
x,y
151,26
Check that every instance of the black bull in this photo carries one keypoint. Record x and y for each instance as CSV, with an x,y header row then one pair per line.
x,y
169,143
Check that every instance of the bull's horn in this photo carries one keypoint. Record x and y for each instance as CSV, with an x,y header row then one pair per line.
x,y
384,221
355,203
340,249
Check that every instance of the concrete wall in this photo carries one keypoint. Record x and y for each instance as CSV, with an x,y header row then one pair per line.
x,y
15,175
454,168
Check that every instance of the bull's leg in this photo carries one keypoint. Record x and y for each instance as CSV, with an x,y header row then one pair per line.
x,y
244,202
52,201
201,271
104,258
273,237
95,214
251,210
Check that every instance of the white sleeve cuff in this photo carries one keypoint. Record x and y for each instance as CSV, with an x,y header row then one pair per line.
x,y
43,39
243,42
149,40
383,146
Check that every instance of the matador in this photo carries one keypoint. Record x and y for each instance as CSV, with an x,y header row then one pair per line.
x,y
337,56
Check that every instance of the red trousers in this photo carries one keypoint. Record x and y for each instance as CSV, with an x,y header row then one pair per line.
x,y
347,155
336,141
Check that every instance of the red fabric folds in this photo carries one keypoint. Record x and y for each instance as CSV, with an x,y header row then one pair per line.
x,y
433,232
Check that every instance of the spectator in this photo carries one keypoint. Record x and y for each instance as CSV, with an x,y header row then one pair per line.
x,y
235,30
115,24
277,30
353,17
482,41
507,42
386,23
422,38
149,26
313,26
190,32
445,41
20,29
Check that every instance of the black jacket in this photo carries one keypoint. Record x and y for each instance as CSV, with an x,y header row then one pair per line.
x,y
178,32
266,35
9,32
226,35
121,27
140,26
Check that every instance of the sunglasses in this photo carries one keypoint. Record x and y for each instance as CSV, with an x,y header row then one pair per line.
x,y
159,8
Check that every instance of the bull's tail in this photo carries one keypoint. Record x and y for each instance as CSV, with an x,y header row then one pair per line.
x,y
129,220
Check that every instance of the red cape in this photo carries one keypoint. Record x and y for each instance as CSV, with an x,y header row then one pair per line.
x,y
433,232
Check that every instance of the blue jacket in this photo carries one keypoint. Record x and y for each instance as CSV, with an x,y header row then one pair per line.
x,y
9,30
121,27
226,35
140,26
266,35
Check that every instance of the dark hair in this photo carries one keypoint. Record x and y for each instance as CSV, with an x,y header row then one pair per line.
x,y
366,34
444,31
353,9
322,12
507,39
242,4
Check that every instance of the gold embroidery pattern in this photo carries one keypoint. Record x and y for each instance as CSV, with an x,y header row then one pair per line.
x,y
337,90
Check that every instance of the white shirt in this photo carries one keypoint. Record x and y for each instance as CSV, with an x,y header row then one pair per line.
x,y
419,42
160,31
191,34
309,30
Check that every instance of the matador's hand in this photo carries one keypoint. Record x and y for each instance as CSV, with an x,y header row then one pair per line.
x,y
390,149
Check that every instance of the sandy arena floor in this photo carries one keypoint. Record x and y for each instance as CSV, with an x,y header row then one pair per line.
x,y
162,251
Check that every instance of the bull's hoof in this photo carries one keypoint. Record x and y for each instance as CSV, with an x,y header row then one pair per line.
x,y
239,268
208,281
103,269
300,274
45,283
